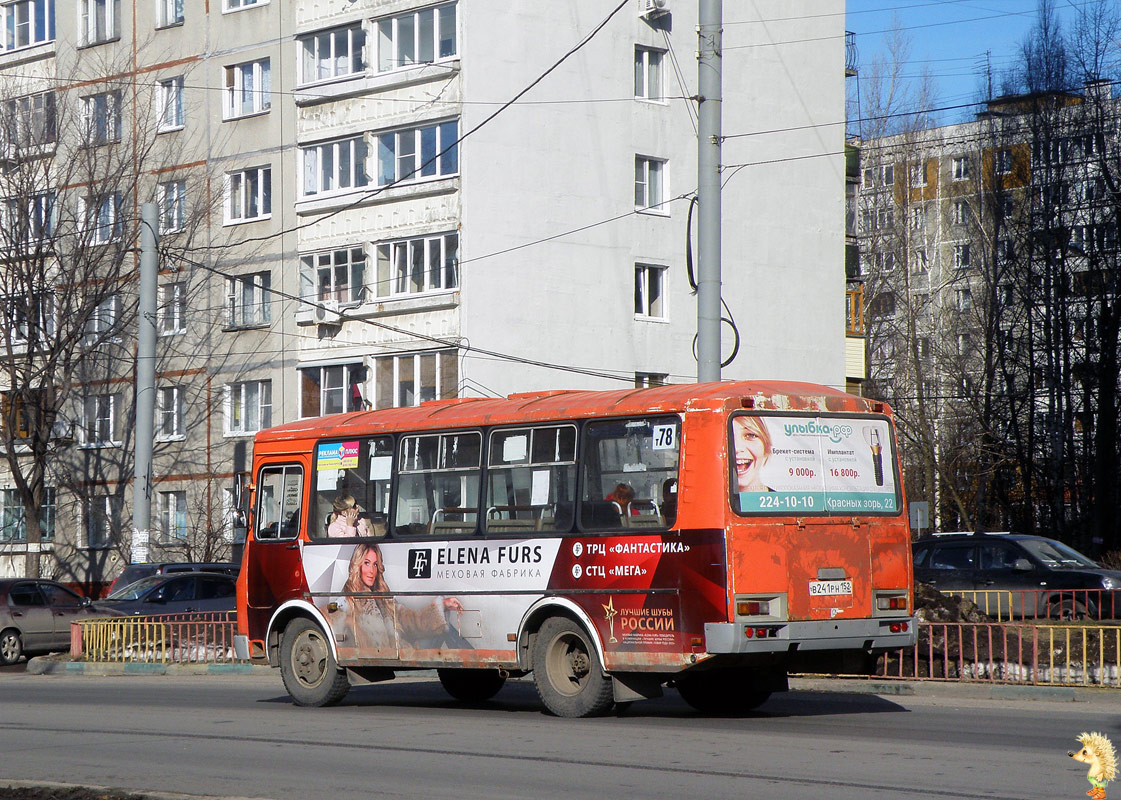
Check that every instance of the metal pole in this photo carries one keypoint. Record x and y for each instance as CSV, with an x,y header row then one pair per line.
x,y
709,39
145,383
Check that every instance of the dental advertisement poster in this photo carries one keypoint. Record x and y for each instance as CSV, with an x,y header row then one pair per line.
x,y
801,464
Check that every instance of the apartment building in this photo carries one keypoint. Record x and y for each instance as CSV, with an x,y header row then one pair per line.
x,y
373,203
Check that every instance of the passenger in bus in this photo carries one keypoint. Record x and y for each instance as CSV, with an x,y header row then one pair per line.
x,y
752,443
345,520
622,496
381,622
669,501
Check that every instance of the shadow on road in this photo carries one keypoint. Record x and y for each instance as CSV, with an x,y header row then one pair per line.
x,y
521,696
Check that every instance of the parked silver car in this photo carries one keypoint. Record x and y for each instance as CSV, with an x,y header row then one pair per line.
x,y
35,617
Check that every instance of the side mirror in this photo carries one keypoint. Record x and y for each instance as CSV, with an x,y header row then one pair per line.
x,y
241,500
86,602
1022,565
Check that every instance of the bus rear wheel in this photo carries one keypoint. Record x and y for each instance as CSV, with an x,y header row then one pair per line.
x,y
310,673
471,685
721,691
568,672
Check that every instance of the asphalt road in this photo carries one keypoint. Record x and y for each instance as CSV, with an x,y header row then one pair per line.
x,y
240,736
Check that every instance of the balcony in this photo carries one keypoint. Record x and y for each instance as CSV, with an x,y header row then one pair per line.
x,y
850,54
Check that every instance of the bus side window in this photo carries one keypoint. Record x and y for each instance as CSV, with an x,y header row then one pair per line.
x,y
439,477
630,473
531,480
280,492
350,473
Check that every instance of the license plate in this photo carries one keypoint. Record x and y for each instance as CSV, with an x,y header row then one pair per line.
x,y
829,588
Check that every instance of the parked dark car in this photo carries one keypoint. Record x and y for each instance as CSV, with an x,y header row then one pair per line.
x,y
134,572
1039,577
35,617
172,594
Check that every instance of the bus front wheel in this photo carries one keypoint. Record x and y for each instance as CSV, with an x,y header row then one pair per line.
x,y
568,672
471,685
310,673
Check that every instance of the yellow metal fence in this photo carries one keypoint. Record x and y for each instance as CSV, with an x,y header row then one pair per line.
x,y
171,639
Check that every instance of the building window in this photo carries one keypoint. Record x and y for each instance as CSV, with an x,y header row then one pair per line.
x,y
13,521
33,120
418,37
964,299
887,175
649,188
248,407
27,22
29,321
247,300
103,520
959,168
172,312
171,103
102,322
249,195
29,220
173,515
102,117
102,217
401,381
248,89
169,413
99,20
237,5
1003,161
171,12
332,54
334,276
884,219
885,262
916,175
961,255
918,218
920,264
1005,251
173,206
334,166
331,390
415,266
649,291
99,419
648,73
645,380
961,212
418,153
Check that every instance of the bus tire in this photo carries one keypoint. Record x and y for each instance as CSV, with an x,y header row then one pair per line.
x,y
471,685
308,667
568,672
720,692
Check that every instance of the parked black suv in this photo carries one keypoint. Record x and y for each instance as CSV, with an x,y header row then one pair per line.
x,y
1030,575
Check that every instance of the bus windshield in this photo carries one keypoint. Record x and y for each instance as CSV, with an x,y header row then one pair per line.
x,y
812,465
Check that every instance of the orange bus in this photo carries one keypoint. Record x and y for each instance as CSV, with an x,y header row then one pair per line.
x,y
709,537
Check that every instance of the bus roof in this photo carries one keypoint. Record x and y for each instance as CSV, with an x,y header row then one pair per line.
x,y
561,404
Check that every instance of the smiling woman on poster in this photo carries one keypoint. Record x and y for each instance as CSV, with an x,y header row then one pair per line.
x,y
752,445
368,622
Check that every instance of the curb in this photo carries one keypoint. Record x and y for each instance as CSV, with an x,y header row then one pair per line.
x,y
44,665
950,689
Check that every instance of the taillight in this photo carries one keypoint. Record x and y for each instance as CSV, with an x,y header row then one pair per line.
x,y
746,608
899,627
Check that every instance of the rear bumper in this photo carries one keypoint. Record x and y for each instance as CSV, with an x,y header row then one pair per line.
x,y
803,635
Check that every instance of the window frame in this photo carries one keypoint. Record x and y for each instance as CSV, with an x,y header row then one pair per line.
x,y
170,13
233,6
353,382
389,387
102,125
173,506
239,194
39,24
346,157
171,312
384,63
169,408
109,514
172,116
644,303
100,411
239,312
240,101
395,267
646,73
172,206
89,27
236,402
959,168
646,185
314,266
394,147
355,63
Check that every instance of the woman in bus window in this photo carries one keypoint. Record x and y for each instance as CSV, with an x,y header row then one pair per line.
x,y
752,444
369,622
345,520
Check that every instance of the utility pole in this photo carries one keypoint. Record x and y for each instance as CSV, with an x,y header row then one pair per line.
x,y
710,105
145,384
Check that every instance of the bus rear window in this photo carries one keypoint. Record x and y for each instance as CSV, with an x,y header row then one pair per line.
x,y
805,464
630,473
